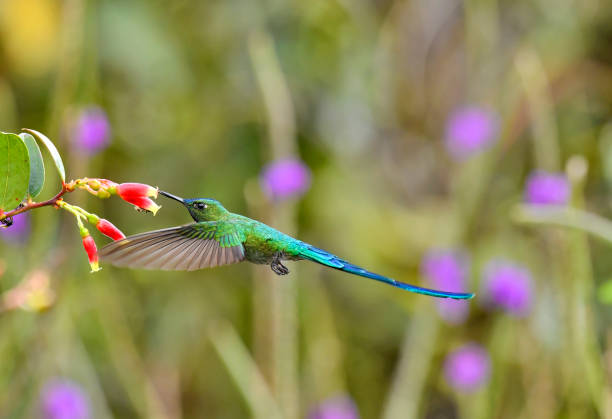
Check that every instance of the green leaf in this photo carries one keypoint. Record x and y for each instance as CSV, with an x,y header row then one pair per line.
x,y
14,171
37,167
57,159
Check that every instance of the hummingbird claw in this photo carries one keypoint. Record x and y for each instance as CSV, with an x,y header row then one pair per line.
x,y
278,268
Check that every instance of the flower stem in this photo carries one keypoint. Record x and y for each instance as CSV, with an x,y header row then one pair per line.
x,y
84,183
31,205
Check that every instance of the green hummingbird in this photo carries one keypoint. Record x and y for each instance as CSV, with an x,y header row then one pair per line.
x,y
219,237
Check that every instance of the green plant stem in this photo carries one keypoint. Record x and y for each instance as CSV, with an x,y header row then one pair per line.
x,y
574,218
580,282
73,210
541,110
275,305
128,363
411,373
243,371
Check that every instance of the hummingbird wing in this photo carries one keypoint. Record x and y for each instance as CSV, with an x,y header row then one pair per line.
x,y
185,248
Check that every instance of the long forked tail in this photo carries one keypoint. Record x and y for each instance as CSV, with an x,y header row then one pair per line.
x,y
325,258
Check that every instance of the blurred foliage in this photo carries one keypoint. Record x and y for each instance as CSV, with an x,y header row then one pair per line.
x,y
194,100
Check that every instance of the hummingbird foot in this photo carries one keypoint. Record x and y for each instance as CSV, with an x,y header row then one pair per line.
x,y
278,268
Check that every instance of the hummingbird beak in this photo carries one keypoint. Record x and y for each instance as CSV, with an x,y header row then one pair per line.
x,y
169,195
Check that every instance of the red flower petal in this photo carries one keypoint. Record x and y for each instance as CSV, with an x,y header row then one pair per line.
x,y
136,190
92,252
144,203
137,194
108,229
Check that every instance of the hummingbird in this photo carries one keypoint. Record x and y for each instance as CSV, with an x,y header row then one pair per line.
x,y
220,237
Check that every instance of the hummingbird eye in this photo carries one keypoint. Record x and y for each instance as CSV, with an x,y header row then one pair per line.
x,y
200,205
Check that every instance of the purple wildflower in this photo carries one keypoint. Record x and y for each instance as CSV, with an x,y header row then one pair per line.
x,y
340,407
91,130
508,286
467,368
447,270
547,188
19,231
64,399
469,130
284,179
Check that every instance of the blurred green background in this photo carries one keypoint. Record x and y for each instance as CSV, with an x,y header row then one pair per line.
x,y
201,95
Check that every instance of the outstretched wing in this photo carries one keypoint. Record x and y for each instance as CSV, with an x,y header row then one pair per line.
x,y
186,248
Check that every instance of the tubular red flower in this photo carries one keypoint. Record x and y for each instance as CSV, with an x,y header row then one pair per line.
x,y
138,194
92,252
108,229
136,189
144,203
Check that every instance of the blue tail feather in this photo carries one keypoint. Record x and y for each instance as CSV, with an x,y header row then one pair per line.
x,y
325,258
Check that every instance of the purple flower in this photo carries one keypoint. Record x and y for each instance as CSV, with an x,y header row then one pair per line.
x,y
467,368
64,399
19,231
508,286
469,130
547,188
340,407
447,270
91,130
284,179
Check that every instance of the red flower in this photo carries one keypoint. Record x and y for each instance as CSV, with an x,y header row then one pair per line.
x,y
92,252
138,194
108,229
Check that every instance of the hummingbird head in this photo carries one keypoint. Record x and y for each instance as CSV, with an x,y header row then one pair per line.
x,y
201,209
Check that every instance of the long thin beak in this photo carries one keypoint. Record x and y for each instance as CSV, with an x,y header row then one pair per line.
x,y
169,195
